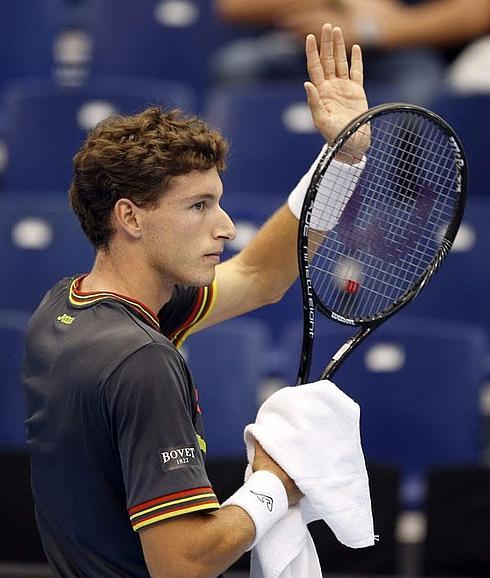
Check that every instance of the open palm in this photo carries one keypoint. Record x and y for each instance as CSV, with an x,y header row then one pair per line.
x,y
335,94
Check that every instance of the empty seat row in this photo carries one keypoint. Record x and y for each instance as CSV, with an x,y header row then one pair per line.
x,y
70,40
418,382
41,242
273,139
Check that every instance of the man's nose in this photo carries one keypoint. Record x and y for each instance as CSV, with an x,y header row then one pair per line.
x,y
226,227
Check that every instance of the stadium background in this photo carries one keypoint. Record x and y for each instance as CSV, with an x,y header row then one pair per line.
x,y
422,381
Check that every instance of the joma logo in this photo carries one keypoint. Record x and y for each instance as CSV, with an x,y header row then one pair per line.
x,y
66,319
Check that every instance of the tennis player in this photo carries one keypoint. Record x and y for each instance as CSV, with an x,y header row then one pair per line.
x,y
114,425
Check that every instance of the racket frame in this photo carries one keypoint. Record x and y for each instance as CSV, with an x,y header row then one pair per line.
x,y
311,302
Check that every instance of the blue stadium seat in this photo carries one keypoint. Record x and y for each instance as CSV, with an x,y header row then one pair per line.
x,y
418,384
40,243
458,291
273,140
166,39
469,115
32,20
45,124
13,325
45,39
227,362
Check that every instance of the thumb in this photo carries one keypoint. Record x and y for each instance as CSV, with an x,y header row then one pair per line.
x,y
315,104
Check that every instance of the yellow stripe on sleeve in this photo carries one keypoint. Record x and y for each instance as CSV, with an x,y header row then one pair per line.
x,y
144,523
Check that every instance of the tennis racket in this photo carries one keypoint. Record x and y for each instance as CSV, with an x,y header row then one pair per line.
x,y
373,232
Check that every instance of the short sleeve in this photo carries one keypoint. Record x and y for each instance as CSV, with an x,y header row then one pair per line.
x,y
187,308
148,409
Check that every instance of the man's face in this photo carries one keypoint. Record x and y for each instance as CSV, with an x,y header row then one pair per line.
x,y
185,234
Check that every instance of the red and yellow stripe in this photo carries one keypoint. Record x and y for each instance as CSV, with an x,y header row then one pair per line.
x,y
205,301
172,505
81,299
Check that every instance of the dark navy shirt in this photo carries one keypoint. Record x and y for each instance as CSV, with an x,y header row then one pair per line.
x,y
114,426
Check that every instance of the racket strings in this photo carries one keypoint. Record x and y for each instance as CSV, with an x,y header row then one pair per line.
x,y
376,228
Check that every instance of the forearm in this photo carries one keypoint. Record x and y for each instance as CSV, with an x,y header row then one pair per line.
x,y
261,273
270,259
439,23
222,539
203,547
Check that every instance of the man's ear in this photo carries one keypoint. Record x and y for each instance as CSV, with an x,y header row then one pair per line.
x,y
127,218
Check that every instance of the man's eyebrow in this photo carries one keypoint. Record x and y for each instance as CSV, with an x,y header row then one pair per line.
x,y
211,196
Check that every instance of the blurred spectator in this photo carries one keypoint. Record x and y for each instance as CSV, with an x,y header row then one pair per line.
x,y
407,44
469,71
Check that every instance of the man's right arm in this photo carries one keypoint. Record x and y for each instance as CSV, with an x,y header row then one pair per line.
x,y
204,545
197,545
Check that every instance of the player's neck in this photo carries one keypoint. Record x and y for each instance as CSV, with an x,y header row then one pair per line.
x,y
128,277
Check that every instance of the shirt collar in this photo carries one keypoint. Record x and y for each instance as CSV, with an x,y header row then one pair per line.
x,y
80,299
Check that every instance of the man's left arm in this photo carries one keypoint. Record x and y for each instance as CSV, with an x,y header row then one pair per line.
x,y
265,269
261,273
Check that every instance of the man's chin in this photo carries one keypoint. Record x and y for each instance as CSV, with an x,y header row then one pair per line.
x,y
200,281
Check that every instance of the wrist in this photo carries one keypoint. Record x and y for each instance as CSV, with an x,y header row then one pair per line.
x,y
264,498
344,177
297,195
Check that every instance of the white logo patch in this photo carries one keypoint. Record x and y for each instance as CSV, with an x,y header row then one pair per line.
x,y
177,457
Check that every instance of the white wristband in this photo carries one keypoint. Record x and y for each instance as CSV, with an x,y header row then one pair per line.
x,y
264,498
297,196
343,177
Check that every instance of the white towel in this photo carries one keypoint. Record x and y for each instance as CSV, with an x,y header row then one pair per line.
x,y
312,432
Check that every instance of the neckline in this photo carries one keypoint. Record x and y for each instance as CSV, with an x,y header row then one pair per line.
x,y
81,299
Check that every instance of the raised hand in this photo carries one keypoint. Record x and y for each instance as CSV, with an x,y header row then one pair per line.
x,y
335,94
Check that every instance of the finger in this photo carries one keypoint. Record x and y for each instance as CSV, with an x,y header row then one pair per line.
x,y
339,54
356,66
314,102
315,70
326,51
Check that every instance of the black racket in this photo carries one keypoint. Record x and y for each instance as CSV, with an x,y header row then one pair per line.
x,y
372,236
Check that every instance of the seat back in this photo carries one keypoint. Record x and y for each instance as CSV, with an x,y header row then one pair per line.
x,y
455,293
40,243
469,115
32,20
227,363
418,384
46,124
273,140
164,39
13,324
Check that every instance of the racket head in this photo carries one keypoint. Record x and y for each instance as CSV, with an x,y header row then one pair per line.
x,y
370,241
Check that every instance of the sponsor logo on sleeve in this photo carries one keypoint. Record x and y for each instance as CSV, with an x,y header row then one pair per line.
x,y
178,457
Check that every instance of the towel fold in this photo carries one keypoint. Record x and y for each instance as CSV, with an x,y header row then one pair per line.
x,y
312,432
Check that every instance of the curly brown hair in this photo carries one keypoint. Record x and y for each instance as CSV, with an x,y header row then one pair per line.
x,y
136,157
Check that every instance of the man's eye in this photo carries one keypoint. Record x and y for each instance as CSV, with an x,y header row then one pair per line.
x,y
199,206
